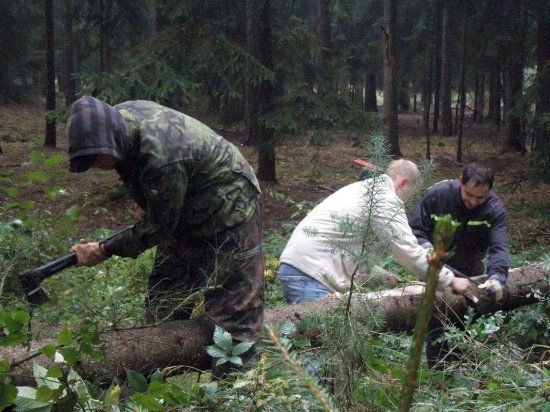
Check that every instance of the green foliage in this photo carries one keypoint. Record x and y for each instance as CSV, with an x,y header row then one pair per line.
x,y
20,27
300,208
110,295
303,111
528,326
58,116
146,78
224,350
14,324
379,156
539,170
38,177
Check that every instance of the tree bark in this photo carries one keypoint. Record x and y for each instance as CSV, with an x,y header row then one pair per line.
x,y
427,98
259,99
498,92
69,89
462,95
324,40
403,100
182,343
437,66
542,128
370,93
446,110
390,77
480,97
50,138
513,81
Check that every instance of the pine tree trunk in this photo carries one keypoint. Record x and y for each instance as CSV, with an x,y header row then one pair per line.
x,y
438,36
498,107
446,110
50,139
513,80
481,98
515,137
324,34
183,342
69,89
403,104
259,98
475,116
370,94
390,77
462,97
542,129
427,99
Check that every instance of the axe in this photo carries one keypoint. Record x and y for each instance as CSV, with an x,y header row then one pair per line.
x,y
31,280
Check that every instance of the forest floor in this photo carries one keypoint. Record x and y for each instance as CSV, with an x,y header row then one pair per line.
x,y
105,205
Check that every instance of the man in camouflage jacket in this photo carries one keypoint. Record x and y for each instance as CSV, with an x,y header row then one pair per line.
x,y
202,209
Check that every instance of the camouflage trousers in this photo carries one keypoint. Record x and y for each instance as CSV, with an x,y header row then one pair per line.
x,y
226,272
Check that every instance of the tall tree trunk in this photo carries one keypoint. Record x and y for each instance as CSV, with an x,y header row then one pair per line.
x,y
427,99
353,79
513,80
446,110
182,343
403,103
102,35
498,107
259,99
457,106
542,128
390,77
158,17
475,116
370,93
492,84
50,139
481,98
438,37
324,34
68,53
460,127
515,137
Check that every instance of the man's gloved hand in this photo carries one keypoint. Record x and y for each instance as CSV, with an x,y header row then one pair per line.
x,y
493,286
89,253
427,245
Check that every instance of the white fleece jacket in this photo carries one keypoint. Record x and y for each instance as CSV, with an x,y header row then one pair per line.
x,y
322,245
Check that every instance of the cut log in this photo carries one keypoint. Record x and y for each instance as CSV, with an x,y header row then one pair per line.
x,y
182,343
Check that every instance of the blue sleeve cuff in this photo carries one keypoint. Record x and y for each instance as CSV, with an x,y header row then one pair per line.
x,y
500,278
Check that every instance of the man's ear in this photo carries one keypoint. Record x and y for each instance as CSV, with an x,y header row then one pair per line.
x,y
403,181
460,181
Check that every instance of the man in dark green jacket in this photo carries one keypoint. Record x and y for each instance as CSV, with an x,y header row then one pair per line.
x,y
202,209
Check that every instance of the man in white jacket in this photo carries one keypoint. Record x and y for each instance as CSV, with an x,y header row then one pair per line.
x,y
324,252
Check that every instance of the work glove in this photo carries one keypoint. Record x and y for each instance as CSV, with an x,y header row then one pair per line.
x,y
493,286
427,245
89,254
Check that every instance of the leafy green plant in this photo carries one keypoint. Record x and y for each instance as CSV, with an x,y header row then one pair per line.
x,y
300,208
225,350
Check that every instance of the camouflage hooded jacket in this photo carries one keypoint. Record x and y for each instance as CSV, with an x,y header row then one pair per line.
x,y
189,180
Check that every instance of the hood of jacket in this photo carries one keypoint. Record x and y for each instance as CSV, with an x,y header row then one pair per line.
x,y
94,128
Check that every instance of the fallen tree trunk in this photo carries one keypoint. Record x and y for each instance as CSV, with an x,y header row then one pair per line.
x,y
181,343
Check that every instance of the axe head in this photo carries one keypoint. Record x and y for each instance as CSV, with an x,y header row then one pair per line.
x,y
31,282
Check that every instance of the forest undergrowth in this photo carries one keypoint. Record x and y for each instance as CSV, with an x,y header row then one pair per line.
x,y
351,366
